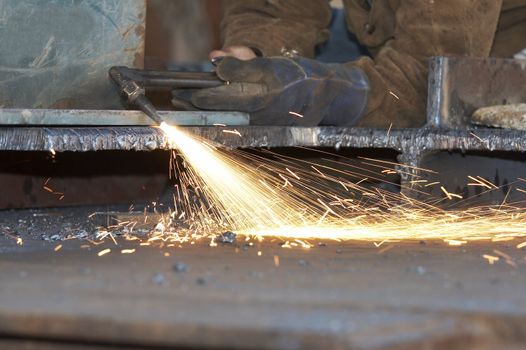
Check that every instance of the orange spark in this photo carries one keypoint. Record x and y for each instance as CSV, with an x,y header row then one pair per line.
x,y
235,132
449,194
491,259
296,114
104,252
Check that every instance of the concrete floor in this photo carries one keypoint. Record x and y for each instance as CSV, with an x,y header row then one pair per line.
x,y
405,295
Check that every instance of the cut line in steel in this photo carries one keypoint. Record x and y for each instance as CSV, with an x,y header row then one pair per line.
x,y
413,144
415,141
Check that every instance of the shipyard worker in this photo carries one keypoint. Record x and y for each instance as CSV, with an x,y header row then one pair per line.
x,y
271,72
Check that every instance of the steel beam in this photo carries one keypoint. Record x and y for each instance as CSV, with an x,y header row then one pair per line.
x,y
144,138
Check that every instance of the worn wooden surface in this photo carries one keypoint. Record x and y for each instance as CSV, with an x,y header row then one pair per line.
x,y
412,295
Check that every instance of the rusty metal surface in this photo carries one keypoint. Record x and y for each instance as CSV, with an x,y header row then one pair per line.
x,y
414,141
333,296
56,54
460,85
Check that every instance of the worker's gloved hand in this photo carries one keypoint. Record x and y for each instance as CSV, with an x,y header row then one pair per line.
x,y
270,88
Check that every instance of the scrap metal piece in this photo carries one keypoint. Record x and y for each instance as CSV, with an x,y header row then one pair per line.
x,y
458,86
503,116
137,220
227,237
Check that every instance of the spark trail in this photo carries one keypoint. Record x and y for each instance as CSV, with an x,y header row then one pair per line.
x,y
292,198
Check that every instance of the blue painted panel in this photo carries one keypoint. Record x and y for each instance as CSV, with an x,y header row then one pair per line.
x,y
56,53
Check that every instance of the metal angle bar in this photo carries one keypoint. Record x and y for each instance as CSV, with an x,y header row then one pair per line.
x,y
409,141
80,117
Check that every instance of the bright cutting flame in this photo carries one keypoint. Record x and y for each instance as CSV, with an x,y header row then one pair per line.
x,y
229,186
296,199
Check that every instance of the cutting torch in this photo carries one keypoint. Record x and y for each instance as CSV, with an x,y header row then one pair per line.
x,y
132,85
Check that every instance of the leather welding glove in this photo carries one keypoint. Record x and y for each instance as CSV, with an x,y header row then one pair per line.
x,y
285,91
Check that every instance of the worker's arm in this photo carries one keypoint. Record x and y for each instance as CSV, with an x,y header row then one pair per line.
x,y
285,91
266,27
398,73
397,76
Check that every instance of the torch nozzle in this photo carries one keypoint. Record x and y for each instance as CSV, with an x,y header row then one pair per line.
x,y
133,92
133,82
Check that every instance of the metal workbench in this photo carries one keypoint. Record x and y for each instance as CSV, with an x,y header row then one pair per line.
x,y
335,295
